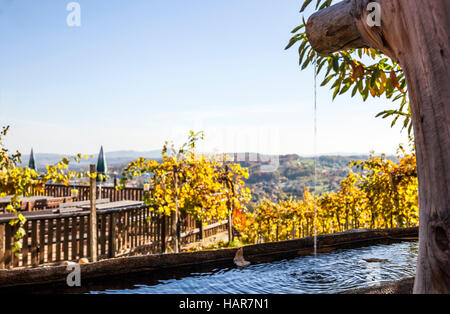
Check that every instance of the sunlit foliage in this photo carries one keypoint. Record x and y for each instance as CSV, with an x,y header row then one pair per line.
x,y
359,71
203,186
19,181
385,195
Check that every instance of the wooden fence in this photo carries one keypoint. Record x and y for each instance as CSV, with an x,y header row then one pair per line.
x,y
51,238
126,194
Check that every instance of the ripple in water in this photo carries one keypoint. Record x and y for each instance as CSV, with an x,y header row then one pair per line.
x,y
324,273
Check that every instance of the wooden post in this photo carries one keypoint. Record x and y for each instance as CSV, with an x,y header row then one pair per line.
x,y
2,246
175,220
202,230
230,227
230,206
93,217
165,228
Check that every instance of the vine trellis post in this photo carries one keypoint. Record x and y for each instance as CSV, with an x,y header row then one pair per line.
x,y
230,186
176,232
93,215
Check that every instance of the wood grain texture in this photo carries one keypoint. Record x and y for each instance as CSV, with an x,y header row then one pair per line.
x,y
334,29
416,34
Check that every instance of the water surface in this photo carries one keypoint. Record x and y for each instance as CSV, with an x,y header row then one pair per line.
x,y
325,273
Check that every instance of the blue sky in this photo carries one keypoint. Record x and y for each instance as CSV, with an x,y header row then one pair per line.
x,y
139,72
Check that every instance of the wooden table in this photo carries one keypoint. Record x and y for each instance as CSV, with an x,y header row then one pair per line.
x,y
112,205
83,203
78,206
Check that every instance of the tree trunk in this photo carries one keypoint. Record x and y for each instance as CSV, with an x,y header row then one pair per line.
x,y
415,33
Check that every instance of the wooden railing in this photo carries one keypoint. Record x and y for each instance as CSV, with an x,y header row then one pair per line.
x,y
126,194
51,238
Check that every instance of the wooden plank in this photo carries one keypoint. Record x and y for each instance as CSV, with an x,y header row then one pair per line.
x,y
17,256
143,213
34,243
81,233
118,230
50,241
25,239
42,241
163,223
2,246
135,227
58,240
151,235
123,231
8,246
151,227
123,228
66,239
144,226
138,220
103,232
156,230
74,250
126,229
141,217
88,253
131,228
112,235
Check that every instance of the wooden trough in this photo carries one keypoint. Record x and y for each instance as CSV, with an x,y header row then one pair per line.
x,y
52,277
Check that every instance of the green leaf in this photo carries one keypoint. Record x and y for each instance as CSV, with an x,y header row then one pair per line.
x,y
355,90
336,91
305,5
325,82
345,88
336,64
295,30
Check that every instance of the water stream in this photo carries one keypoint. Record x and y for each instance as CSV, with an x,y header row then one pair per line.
x,y
315,157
